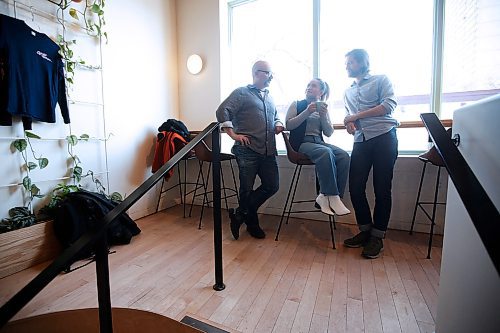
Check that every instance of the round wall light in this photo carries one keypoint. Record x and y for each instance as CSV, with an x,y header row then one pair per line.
x,y
194,64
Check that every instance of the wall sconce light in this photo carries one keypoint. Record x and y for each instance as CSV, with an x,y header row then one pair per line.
x,y
194,64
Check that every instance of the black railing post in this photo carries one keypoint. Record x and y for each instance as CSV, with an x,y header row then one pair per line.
x,y
219,284
103,289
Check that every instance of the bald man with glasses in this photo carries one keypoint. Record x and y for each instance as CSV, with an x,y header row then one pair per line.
x,y
249,116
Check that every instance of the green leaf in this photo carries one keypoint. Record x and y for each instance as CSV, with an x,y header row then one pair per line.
x,y
20,144
73,13
95,8
19,211
34,190
73,188
27,183
77,171
43,162
31,166
85,137
72,140
115,196
31,135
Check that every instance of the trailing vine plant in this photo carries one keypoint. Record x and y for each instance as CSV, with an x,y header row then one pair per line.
x,y
92,15
20,217
76,172
21,145
93,26
69,61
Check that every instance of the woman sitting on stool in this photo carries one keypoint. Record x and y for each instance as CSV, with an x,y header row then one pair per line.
x,y
307,121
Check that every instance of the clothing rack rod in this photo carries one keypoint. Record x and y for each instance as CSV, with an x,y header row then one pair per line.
x,y
88,67
47,139
33,10
50,180
86,103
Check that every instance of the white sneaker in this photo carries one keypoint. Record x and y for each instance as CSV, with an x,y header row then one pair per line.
x,y
337,205
323,202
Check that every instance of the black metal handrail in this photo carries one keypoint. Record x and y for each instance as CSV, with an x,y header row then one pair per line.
x,y
481,209
97,239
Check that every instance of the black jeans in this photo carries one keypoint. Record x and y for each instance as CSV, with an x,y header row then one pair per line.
x,y
380,153
251,164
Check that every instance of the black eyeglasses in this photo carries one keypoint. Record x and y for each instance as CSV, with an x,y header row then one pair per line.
x,y
268,73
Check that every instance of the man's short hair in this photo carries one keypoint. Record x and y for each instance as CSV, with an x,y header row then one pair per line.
x,y
361,56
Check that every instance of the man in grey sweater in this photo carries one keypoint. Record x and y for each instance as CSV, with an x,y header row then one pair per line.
x,y
248,115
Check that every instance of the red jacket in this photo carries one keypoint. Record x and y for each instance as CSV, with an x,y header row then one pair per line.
x,y
167,144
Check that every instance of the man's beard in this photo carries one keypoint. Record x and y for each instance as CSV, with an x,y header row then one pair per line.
x,y
352,73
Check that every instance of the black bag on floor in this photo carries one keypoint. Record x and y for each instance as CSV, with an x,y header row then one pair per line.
x,y
83,211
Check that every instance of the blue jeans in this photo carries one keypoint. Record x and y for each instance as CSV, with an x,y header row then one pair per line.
x,y
331,164
380,153
251,164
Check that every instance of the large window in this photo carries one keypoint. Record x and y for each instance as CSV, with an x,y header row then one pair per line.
x,y
397,34
285,40
399,45
471,55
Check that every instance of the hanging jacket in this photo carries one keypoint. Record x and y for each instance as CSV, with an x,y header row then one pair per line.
x,y
167,145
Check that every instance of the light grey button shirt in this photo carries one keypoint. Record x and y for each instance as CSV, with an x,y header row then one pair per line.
x,y
371,91
250,111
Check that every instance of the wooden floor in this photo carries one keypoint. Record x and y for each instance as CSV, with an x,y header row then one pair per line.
x,y
298,284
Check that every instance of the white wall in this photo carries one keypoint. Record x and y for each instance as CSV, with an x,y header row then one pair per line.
x,y
405,185
198,32
141,90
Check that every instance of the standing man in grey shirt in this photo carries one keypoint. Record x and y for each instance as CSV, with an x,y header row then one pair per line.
x,y
370,102
248,115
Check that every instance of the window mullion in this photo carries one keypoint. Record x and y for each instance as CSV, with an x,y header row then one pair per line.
x,y
437,56
316,34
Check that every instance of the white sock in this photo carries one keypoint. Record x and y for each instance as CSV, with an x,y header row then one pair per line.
x,y
322,201
337,205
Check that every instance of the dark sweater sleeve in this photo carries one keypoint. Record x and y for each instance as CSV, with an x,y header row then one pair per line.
x,y
62,99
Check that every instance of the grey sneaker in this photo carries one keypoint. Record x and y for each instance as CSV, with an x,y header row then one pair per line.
x,y
359,240
373,248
